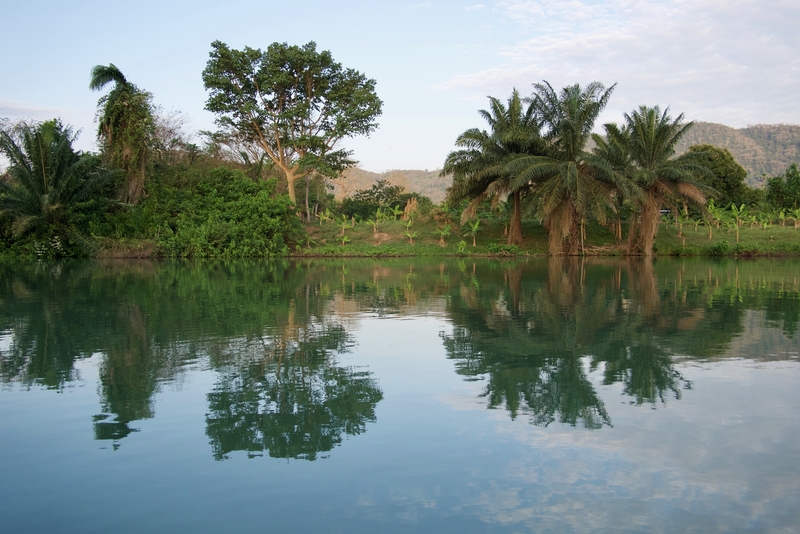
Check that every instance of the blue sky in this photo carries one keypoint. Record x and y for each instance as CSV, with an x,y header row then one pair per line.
x,y
733,62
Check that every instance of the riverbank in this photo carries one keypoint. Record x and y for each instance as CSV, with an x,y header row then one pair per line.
x,y
429,238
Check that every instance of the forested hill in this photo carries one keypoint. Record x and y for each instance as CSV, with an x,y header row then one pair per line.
x,y
763,149
425,182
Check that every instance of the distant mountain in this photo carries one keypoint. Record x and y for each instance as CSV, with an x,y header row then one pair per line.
x,y
763,149
425,182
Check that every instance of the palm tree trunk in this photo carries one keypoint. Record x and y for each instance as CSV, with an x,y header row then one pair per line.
x,y
515,230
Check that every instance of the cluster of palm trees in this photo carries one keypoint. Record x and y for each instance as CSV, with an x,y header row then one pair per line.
x,y
536,154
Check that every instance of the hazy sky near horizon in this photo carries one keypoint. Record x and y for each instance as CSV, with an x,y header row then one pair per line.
x,y
728,61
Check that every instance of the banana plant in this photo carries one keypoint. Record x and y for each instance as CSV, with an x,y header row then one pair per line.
x,y
324,216
740,214
442,233
765,220
473,231
794,215
344,223
396,212
408,233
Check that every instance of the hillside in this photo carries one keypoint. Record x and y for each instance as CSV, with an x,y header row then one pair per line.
x,y
763,149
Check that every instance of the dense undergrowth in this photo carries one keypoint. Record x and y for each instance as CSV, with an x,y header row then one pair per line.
x,y
189,211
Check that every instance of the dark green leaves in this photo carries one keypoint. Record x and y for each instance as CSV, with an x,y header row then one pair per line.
x,y
294,102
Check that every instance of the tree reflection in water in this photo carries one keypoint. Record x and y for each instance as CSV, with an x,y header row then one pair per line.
x,y
535,335
293,401
538,332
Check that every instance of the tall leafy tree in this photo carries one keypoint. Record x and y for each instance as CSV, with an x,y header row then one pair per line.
x,y
295,103
727,177
784,191
480,166
570,183
46,178
649,136
126,128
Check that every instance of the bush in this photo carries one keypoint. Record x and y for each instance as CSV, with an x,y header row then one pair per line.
x,y
216,213
504,250
719,249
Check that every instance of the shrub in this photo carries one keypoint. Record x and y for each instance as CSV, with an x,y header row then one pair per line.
x,y
219,213
719,249
504,250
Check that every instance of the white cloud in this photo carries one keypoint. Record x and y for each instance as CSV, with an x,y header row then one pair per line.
x,y
22,110
732,62
476,6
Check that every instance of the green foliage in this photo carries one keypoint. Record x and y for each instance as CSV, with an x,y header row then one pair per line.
x,y
50,188
720,249
126,128
727,177
442,234
505,250
382,195
647,140
294,102
216,213
480,167
763,149
473,231
784,191
571,184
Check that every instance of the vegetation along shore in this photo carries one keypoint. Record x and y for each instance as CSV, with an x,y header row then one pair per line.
x,y
533,177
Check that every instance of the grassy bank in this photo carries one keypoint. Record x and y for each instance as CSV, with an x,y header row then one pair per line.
x,y
391,238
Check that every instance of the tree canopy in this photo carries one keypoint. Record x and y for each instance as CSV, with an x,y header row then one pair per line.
x,y
570,183
480,165
728,178
295,103
784,191
647,140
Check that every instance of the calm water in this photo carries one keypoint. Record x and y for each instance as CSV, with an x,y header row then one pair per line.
x,y
400,395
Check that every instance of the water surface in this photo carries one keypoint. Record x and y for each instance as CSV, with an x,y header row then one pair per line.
x,y
547,395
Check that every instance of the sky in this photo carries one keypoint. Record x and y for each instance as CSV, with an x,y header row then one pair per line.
x,y
436,62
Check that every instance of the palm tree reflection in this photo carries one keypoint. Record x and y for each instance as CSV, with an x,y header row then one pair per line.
x,y
537,335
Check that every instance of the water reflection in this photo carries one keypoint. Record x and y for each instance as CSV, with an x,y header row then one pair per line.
x,y
147,321
538,332
533,329
285,395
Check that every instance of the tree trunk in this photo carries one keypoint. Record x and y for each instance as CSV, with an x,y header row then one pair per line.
x,y
290,178
573,242
515,230
642,236
308,210
648,230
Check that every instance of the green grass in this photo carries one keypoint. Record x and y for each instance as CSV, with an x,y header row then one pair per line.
x,y
389,240
753,241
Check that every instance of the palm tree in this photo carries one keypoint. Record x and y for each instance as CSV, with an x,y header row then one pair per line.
x,y
479,168
46,177
570,183
126,127
650,136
